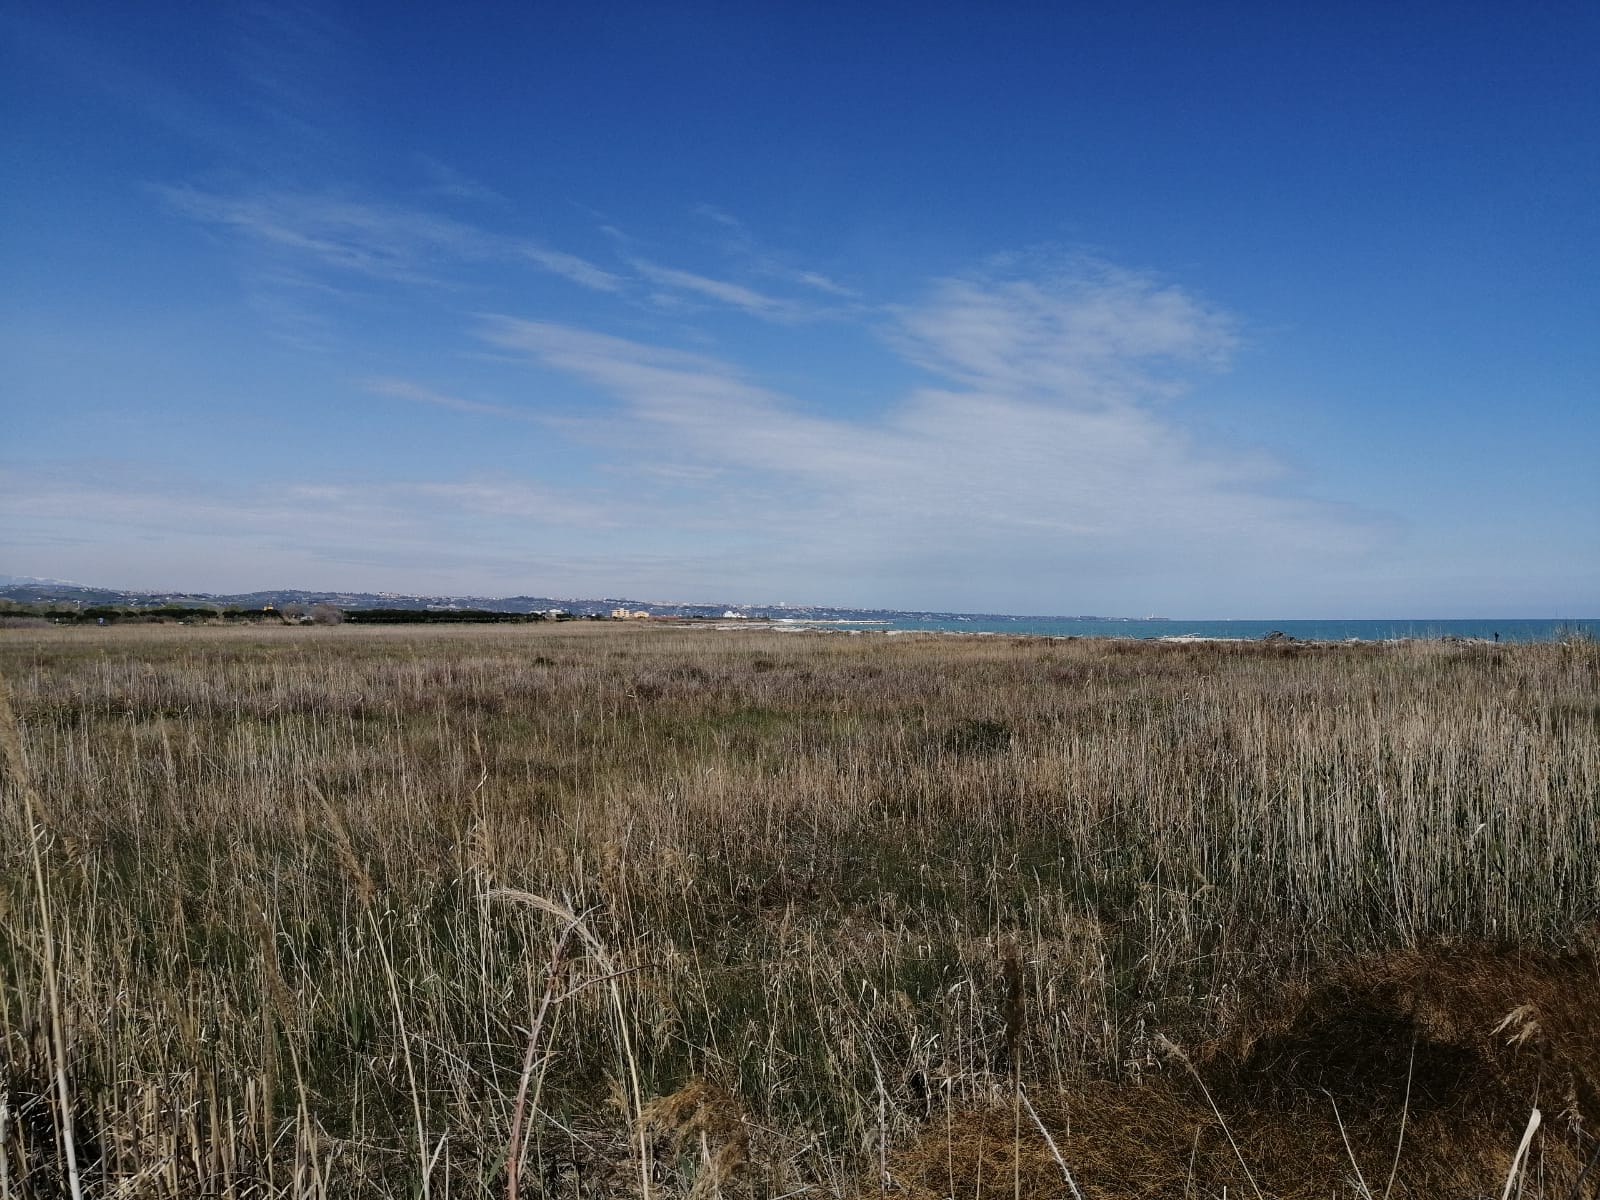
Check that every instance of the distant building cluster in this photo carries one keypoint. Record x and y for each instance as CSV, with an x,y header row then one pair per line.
x,y
629,614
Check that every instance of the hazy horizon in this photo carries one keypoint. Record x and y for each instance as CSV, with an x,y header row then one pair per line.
x,y
719,602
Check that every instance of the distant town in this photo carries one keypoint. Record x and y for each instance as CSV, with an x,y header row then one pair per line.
x,y
71,602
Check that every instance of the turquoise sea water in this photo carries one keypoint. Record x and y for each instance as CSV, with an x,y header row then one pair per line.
x,y
1332,631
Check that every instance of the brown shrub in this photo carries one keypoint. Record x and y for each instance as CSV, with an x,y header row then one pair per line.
x,y
1422,1064
707,1120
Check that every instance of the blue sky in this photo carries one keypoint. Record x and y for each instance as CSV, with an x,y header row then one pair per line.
x,y
1208,310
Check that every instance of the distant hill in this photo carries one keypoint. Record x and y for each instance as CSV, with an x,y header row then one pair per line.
x,y
54,593
21,580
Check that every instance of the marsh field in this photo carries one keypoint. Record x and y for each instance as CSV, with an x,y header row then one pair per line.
x,y
598,910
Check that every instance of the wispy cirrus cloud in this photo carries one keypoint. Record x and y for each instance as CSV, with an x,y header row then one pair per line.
x,y
382,242
714,410
1089,335
129,522
570,267
452,184
516,499
819,281
1039,455
1045,452
735,295
135,495
290,55
318,237
430,503
405,389
738,242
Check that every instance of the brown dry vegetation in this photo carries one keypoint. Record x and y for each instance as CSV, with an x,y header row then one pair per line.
x,y
859,915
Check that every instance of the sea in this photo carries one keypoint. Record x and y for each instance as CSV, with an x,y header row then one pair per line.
x,y
1504,630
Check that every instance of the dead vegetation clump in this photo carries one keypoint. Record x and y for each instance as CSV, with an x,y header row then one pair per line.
x,y
707,1125
1411,1074
1118,1142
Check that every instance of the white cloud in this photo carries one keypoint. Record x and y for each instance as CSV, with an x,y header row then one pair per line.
x,y
452,184
1089,337
403,389
1041,469
570,267
736,241
733,294
710,407
129,525
815,279
509,498
1046,454
379,241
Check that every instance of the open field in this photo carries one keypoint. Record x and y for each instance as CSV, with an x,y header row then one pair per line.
x,y
860,915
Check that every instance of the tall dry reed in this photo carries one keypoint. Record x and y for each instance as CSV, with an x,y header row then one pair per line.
x,y
271,860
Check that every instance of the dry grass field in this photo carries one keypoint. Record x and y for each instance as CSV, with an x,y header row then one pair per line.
x,y
591,911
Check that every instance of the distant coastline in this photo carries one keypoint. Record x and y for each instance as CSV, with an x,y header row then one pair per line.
x,y
1508,631
46,597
